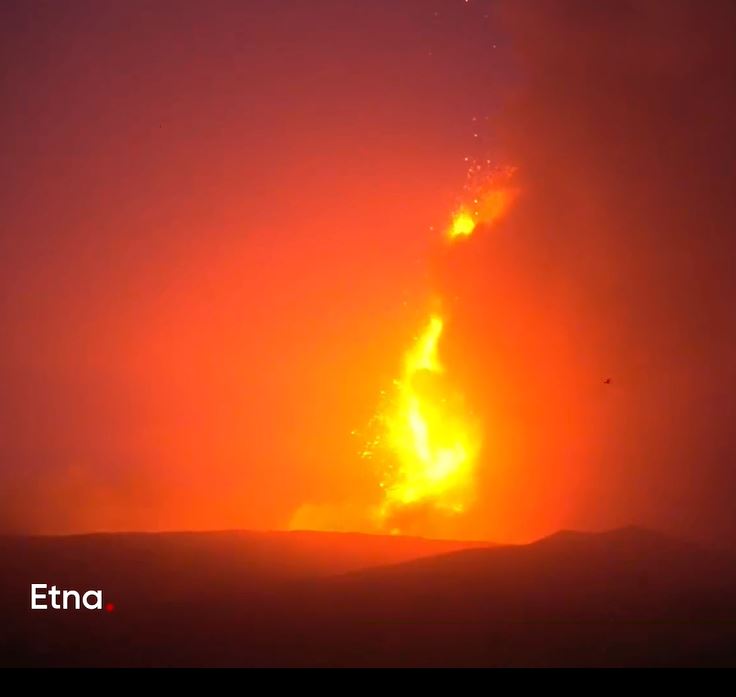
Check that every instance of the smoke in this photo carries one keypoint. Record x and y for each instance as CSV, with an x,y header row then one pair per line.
x,y
621,124
176,355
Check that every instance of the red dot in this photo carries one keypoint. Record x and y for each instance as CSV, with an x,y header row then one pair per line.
x,y
110,607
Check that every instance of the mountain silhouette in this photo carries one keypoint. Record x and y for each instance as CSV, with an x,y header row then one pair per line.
x,y
628,597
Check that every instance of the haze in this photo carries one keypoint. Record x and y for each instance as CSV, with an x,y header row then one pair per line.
x,y
216,245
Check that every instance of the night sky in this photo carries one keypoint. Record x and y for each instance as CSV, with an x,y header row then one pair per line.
x,y
219,232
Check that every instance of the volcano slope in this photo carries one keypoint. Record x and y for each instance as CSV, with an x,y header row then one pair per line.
x,y
629,597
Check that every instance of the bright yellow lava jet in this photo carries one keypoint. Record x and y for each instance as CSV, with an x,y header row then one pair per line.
x,y
434,444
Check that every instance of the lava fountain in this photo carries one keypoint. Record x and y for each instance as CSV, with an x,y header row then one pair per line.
x,y
432,438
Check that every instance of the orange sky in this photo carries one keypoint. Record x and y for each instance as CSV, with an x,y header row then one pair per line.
x,y
216,249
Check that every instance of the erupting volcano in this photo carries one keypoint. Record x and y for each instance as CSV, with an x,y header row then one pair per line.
x,y
432,439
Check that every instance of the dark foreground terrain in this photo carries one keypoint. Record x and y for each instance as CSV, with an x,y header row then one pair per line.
x,y
628,597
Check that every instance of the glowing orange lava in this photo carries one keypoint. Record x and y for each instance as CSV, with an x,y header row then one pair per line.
x,y
490,197
433,441
428,441
462,224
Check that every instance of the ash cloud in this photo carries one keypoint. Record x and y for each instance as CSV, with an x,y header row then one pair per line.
x,y
621,123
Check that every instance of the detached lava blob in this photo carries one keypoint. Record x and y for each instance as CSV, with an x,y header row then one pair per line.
x,y
489,196
434,444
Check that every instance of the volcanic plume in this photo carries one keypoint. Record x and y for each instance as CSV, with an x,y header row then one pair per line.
x,y
215,257
427,436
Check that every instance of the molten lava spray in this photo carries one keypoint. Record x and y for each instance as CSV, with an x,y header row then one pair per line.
x,y
432,440
491,195
427,441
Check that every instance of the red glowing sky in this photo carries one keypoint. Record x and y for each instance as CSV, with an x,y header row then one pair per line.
x,y
216,245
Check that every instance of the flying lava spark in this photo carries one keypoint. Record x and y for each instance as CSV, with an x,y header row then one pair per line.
x,y
491,194
433,442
